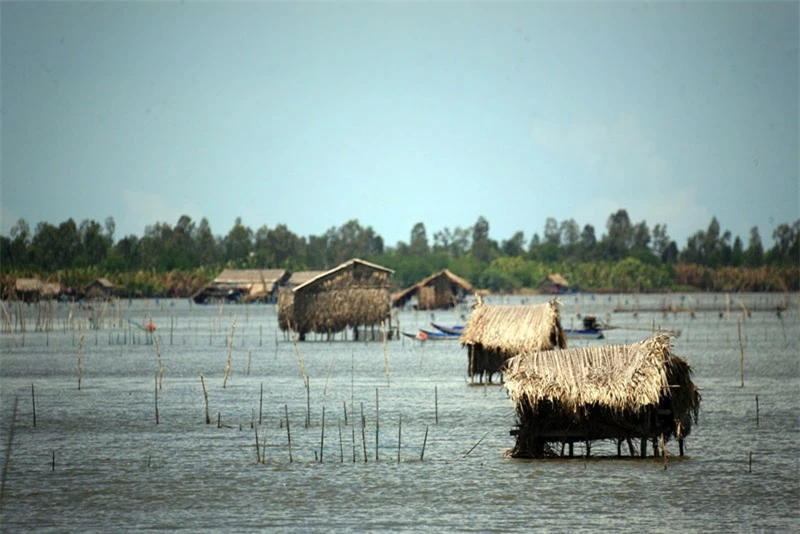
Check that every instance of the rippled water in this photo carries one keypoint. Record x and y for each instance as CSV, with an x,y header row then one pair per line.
x,y
97,461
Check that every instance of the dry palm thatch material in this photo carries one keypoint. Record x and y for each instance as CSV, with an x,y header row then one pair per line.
x,y
356,293
493,334
640,390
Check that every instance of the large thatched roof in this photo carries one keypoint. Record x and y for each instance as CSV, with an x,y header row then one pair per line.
x,y
354,293
620,377
494,334
356,266
443,281
615,391
557,279
515,328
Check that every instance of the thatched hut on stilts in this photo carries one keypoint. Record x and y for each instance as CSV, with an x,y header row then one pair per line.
x,y
495,333
354,294
441,290
640,391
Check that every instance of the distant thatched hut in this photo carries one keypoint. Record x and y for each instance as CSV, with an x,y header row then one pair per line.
x,y
493,334
441,290
27,289
98,289
246,285
553,284
354,294
286,295
619,392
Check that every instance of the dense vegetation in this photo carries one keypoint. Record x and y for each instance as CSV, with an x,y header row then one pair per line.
x,y
177,260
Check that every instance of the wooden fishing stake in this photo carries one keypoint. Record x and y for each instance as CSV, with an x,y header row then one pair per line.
x,y
424,442
353,428
33,402
80,354
377,425
364,432
258,450
750,464
436,402
34,415
219,419
341,443
288,432
249,357
156,398
230,353
205,396
160,363
399,432
54,461
344,405
322,436
741,349
308,402
260,403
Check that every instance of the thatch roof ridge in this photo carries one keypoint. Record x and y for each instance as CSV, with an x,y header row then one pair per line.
x,y
341,266
300,277
513,328
619,377
249,276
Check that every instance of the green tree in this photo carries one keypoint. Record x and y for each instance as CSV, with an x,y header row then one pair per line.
x,y
514,246
754,255
418,245
482,247
238,244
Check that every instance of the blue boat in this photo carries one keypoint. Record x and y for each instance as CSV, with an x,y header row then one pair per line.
x,y
429,335
591,330
455,330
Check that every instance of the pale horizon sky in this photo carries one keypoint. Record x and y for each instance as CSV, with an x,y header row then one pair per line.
x,y
311,114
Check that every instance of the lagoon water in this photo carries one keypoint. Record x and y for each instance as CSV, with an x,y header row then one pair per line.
x,y
96,461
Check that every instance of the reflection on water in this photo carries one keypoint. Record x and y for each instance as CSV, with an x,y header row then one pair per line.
x,y
97,460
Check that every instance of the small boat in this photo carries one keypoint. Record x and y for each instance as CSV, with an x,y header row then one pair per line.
x,y
591,330
428,335
455,330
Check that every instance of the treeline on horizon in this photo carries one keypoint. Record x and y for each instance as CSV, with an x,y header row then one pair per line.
x,y
176,261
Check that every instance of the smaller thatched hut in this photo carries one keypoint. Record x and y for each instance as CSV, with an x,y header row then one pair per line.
x,y
286,295
494,333
99,289
620,392
353,294
441,290
27,289
553,284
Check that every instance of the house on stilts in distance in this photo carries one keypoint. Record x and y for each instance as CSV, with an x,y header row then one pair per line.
x,y
243,285
495,333
635,394
441,290
353,295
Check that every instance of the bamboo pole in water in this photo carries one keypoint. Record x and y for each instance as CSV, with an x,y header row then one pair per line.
x,y
741,349
205,397
261,403
288,432
80,354
399,433
160,362
424,442
322,436
33,402
364,432
156,386
230,353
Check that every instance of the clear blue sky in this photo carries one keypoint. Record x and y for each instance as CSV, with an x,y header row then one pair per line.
x,y
311,114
